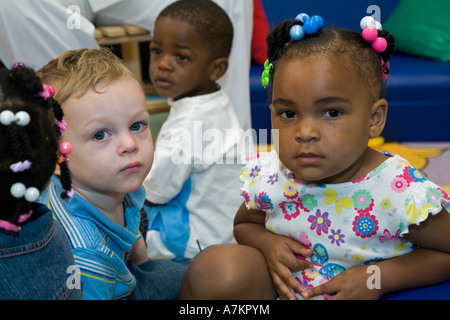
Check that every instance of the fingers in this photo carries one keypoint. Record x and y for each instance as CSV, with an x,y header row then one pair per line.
x,y
327,288
282,289
299,248
284,282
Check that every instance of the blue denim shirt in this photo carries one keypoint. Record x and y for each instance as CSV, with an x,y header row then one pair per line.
x,y
36,263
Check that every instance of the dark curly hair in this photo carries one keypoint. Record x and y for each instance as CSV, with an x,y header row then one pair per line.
x,y
354,51
210,21
36,142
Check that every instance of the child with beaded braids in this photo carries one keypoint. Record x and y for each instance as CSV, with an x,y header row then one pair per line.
x,y
323,206
35,256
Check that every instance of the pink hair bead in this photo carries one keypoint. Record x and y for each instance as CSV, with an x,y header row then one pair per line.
x,y
370,34
379,44
65,148
47,91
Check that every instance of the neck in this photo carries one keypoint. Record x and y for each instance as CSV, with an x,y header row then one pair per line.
x,y
110,205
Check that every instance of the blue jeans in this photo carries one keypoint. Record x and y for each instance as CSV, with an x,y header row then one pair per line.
x,y
157,279
37,262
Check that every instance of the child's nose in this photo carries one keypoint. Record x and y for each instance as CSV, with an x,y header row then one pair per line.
x,y
165,63
128,144
307,130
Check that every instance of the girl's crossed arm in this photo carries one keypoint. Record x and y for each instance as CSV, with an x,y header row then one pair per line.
x,y
279,251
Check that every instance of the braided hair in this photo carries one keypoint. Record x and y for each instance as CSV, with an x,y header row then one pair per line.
x,y
356,53
36,142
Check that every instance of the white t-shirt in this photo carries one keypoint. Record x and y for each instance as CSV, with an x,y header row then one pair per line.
x,y
197,159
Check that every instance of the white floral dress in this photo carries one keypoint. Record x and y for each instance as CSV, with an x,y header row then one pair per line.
x,y
347,224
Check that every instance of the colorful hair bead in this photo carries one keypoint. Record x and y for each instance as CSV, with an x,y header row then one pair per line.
x,y
20,166
265,77
370,34
21,118
310,26
370,29
47,91
313,24
379,44
65,148
18,190
296,32
62,125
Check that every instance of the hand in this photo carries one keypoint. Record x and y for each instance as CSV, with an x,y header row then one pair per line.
x,y
284,256
138,253
348,285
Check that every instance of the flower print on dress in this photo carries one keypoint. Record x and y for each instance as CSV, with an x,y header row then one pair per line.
x,y
263,202
365,225
290,209
385,204
363,201
309,202
243,173
337,237
332,198
320,258
246,196
320,222
445,194
361,179
434,195
255,171
309,274
290,190
273,178
387,236
304,283
399,184
411,174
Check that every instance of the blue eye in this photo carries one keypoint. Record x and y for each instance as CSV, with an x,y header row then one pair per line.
x,y
137,126
100,135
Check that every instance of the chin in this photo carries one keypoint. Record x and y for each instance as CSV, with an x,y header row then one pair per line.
x,y
131,186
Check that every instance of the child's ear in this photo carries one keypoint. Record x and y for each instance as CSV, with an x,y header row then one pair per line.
x,y
378,118
218,68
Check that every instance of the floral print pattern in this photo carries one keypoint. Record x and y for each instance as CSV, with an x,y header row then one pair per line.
x,y
348,224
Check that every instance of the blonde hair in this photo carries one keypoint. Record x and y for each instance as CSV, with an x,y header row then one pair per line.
x,y
77,71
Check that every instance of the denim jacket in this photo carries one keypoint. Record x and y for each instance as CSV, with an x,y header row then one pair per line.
x,y
36,263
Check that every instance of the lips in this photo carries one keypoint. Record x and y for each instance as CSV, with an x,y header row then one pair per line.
x,y
309,158
162,82
131,167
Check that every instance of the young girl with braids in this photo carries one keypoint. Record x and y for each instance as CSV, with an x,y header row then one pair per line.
x,y
35,257
323,206
108,129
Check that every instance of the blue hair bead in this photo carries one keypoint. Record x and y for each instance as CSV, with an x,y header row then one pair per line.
x,y
296,32
311,26
318,19
302,17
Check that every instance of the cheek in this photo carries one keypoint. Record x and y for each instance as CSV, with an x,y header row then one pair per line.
x,y
147,150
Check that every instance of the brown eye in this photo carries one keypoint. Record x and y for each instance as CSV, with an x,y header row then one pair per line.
x,y
333,113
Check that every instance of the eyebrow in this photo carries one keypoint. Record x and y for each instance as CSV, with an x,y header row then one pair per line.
x,y
326,100
178,46
332,100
